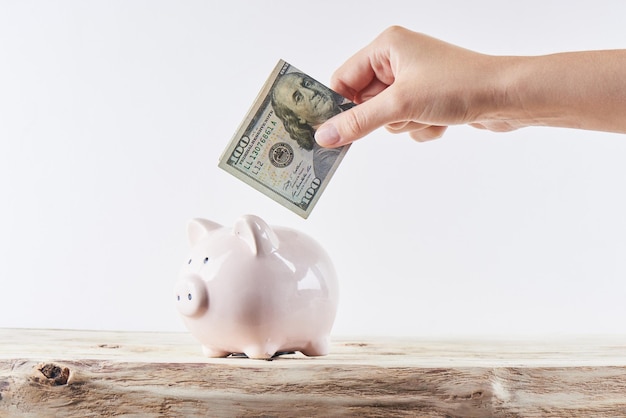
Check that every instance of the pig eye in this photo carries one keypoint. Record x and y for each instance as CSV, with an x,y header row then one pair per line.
x,y
189,296
206,260
189,262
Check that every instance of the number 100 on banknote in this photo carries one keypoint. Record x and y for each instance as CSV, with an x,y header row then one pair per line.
x,y
274,149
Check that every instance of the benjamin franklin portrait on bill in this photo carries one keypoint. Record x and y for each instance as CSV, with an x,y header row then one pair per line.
x,y
303,104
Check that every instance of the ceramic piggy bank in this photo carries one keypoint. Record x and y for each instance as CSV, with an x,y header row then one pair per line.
x,y
256,290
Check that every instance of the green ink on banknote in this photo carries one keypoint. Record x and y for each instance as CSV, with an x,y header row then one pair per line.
x,y
274,149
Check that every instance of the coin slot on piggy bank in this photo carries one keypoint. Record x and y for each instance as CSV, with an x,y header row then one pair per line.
x,y
256,289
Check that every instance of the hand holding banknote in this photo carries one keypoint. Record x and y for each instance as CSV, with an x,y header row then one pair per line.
x,y
409,82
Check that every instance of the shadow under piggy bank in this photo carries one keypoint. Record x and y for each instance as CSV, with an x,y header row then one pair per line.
x,y
256,290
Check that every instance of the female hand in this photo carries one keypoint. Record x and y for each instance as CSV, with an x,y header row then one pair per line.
x,y
410,82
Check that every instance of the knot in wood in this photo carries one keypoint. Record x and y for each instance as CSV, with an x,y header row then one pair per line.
x,y
54,374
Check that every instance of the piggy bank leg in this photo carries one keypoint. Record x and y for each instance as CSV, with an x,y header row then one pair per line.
x,y
210,352
319,347
260,351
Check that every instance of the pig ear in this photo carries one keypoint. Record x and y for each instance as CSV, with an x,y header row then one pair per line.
x,y
199,228
256,233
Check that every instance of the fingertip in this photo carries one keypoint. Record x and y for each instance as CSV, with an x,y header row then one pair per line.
x,y
327,135
337,85
428,134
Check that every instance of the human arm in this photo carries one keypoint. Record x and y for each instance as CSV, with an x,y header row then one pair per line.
x,y
409,82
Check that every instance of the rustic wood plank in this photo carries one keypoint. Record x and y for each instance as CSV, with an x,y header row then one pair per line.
x,y
85,374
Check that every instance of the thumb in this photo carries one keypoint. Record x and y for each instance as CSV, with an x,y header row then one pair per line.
x,y
356,122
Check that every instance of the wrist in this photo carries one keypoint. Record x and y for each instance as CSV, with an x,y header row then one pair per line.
x,y
511,99
547,90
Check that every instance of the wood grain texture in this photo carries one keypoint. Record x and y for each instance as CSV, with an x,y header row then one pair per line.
x,y
89,374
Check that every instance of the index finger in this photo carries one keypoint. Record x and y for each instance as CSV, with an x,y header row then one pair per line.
x,y
368,67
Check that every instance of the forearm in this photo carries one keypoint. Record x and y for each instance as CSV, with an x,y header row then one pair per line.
x,y
585,90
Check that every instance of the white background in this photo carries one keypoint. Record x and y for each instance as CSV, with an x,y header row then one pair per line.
x,y
113,115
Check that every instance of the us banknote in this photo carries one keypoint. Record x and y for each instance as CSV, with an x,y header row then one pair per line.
x,y
274,149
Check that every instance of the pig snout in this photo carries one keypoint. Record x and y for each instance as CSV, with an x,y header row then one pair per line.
x,y
191,295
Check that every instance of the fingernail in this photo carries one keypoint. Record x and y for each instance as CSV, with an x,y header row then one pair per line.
x,y
327,135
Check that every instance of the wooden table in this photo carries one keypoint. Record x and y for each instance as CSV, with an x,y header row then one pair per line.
x,y
94,374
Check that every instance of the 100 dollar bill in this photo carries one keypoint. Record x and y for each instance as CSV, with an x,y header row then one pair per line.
x,y
274,149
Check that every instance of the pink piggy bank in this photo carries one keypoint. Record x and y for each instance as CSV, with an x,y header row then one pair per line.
x,y
256,290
